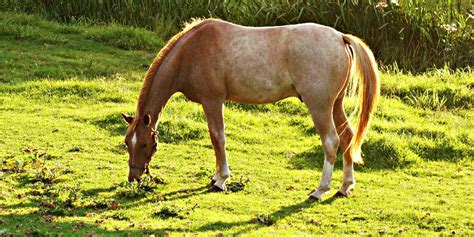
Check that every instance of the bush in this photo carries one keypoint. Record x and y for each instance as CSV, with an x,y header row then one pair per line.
x,y
416,35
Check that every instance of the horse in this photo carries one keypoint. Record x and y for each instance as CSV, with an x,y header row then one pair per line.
x,y
212,61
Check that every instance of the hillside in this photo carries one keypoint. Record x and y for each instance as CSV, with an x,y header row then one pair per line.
x,y
64,166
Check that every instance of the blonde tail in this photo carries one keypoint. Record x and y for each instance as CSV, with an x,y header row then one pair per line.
x,y
368,88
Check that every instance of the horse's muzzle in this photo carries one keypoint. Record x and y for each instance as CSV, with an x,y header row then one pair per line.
x,y
135,173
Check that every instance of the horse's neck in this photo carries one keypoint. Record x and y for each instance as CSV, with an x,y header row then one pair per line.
x,y
160,91
157,105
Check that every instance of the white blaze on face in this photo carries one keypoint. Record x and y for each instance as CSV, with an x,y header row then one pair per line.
x,y
134,139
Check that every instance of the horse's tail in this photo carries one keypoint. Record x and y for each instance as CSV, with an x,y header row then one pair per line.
x,y
366,81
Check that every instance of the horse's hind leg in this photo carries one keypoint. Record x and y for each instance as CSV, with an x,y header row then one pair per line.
x,y
323,121
345,134
215,121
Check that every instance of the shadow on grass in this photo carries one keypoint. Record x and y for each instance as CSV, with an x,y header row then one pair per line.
x,y
40,223
96,191
309,159
446,151
37,225
378,154
38,218
174,132
185,193
253,223
113,123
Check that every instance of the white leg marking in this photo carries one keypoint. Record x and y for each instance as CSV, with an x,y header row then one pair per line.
x,y
220,183
348,181
222,176
325,184
215,177
225,172
327,174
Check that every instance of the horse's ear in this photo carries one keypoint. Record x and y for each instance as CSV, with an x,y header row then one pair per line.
x,y
146,119
127,118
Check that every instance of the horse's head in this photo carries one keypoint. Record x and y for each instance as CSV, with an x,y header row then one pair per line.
x,y
141,141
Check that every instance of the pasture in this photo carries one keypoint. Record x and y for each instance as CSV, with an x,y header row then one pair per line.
x,y
64,164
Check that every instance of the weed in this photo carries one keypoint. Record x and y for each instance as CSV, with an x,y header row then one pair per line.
x,y
61,200
237,186
130,190
265,219
121,216
169,211
74,149
426,100
135,189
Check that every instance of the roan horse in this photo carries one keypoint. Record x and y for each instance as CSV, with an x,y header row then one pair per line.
x,y
212,61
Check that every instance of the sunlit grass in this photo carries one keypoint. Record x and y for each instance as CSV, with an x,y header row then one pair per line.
x,y
64,166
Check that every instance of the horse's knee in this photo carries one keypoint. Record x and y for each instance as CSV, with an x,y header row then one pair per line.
x,y
331,144
217,139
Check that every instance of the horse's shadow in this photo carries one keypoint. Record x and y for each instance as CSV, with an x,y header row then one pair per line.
x,y
254,223
241,227
186,193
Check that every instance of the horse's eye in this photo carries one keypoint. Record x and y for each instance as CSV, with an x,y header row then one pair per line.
x,y
144,145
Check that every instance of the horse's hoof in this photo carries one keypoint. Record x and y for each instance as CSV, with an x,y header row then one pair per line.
x,y
210,184
312,198
214,188
339,194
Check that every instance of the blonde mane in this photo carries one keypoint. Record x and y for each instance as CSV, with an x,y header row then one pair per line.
x,y
160,57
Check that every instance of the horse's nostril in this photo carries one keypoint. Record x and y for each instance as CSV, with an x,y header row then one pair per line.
x,y
135,173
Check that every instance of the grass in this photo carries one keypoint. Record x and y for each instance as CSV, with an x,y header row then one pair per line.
x,y
63,163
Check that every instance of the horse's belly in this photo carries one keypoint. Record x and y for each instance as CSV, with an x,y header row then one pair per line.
x,y
259,89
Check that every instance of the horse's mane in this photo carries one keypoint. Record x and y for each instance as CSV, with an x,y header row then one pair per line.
x,y
160,57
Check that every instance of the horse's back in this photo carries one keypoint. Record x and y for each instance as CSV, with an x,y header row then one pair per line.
x,y
255,64
263,64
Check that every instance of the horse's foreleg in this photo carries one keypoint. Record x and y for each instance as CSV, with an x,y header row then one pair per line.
x,y
323,121
215,121
345,134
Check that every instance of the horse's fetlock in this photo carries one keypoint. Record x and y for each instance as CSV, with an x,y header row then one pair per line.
x,y
225,174
348,183
215,177
324,188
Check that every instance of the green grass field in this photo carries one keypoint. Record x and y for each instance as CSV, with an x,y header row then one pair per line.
x,y
64,166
